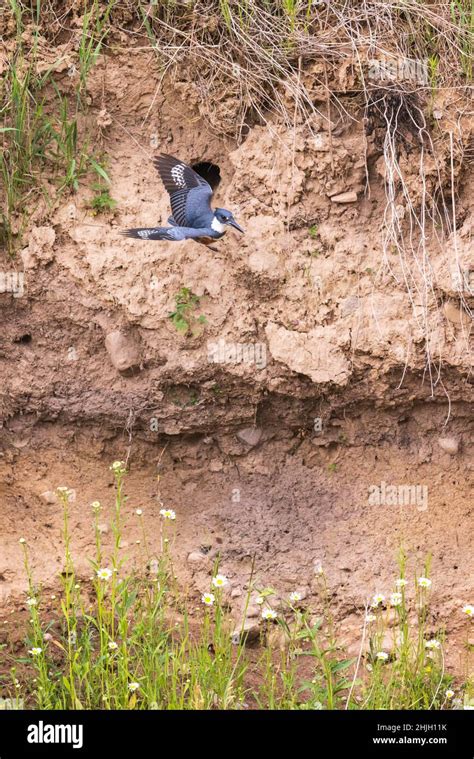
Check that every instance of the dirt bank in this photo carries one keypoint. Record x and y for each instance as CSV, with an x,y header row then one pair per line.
x,y
357,358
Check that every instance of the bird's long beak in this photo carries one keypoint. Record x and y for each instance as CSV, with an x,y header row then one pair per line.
x,y
234,224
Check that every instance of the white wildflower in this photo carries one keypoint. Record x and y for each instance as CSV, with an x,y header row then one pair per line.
x,y
377,600
104,574
269,614
219,581
424,582
168,514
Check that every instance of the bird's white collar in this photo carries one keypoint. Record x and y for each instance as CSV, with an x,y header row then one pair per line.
x,y
217,226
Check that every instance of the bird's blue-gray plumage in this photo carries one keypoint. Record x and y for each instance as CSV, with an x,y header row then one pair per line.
x,y
190,198
171,233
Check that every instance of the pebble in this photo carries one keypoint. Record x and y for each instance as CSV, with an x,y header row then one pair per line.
x,y
449,444
123,351
345,197
195,557
216,466
455,313
250,631
49,496
253,611
250,435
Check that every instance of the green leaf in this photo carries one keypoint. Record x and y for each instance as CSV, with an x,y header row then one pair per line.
x,y
339,666
180,323
98,168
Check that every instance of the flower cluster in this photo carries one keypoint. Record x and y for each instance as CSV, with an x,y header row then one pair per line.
x,y
66,494
118,467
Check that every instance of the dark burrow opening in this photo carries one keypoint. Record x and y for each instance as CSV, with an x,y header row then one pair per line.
x,y
208,171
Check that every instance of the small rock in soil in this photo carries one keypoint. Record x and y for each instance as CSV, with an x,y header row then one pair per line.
x,y
250,435
196,557
449,444
49,496
249,632
123,351
216,466
345,197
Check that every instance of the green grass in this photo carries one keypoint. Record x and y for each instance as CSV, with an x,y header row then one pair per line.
x,y
130,637
95,29
40,140
24,137
462,14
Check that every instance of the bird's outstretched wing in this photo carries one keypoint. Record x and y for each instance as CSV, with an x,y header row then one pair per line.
x,y
190,194
203,235
154,233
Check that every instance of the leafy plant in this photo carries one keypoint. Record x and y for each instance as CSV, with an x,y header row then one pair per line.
x,y
102,202
183,317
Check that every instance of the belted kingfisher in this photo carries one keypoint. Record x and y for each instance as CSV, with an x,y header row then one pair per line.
x,y
190,198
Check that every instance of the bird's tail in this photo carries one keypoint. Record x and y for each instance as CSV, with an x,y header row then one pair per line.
x,y
152,233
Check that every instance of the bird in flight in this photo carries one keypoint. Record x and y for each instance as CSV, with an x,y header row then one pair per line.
x,y
190,198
